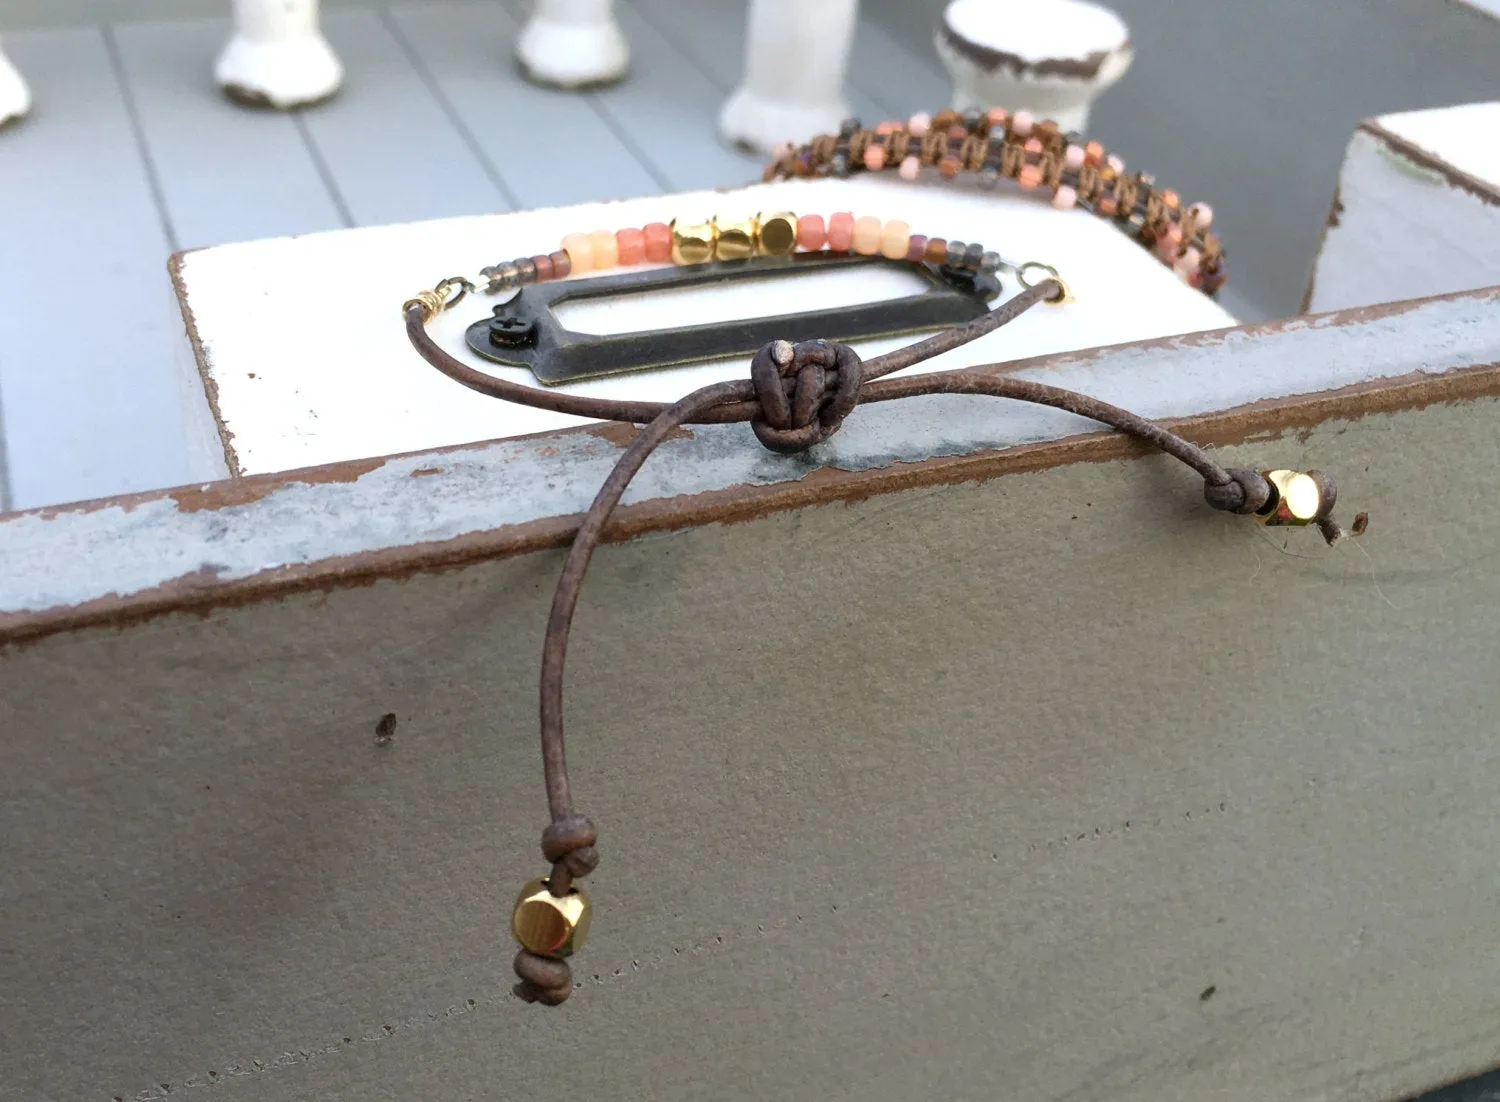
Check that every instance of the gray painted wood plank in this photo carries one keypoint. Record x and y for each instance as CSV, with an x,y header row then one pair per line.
x,y
712,33
389,142
83,257
552,148
901,77
669,109
227,173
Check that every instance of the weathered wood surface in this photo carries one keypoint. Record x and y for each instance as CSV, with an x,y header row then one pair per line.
x,y
302,343
1417,211
1015,773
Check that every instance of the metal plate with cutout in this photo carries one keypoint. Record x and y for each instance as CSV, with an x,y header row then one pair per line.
x,y
525,331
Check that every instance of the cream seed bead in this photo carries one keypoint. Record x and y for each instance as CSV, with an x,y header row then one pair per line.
x,y
919,124
580,251
606,248
1203,215
895,239
867,235
1021,123
1065,198
1188,262
1073,156
911,168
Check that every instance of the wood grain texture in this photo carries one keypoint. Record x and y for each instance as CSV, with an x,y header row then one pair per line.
x,y
198,820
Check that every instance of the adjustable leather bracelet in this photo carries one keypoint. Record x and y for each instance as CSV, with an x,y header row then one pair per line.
x,y
797,396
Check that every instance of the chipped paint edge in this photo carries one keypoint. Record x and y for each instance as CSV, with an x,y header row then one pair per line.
x,y
202,591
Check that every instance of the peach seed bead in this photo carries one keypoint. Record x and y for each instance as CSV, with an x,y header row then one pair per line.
x,y
1030,177
1073,156
1093,153
841,232
606,249
580,251
919,124
867,235
1203,214
1170,199
811,233
996,117
886,127
1065,198
874,156
895,239
911,167
632,246
1021,123
658,237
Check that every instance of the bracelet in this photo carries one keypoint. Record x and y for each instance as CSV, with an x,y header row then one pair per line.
x,y
1035,154
797,396
779,234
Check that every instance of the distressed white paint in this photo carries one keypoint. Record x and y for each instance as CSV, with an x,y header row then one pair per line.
x,y
1049,785
278,55
796,57
1035,31
304,341
1488,7
1402,229
15,96
132,547
572,43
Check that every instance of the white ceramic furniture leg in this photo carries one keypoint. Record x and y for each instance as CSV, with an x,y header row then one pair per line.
x,y
573,44
277,57
1053,57
796,54
15,97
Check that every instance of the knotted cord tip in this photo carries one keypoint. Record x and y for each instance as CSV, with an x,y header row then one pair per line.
x,y
1246,492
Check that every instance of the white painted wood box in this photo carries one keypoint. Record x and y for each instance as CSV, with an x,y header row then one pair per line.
x,y
299,341
1029,775
1417,211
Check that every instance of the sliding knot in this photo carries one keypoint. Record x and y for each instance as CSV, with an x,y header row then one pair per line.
x,y
809,416
1245,492
570,842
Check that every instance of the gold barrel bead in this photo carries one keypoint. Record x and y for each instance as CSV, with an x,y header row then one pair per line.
x,y
693,242
550,925
736,239
778,233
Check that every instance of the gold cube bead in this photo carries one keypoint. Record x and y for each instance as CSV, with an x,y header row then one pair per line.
x,y
693,243
778,233
1296,498
737,239
550,925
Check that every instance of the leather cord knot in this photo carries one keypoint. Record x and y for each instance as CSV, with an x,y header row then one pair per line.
x,y
809,416
1244,493
569,844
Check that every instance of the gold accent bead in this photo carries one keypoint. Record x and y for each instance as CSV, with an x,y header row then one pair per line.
x,y
550,925
778,233
693,243
1296,499
737,239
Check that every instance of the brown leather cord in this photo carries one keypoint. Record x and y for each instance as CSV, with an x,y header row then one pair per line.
x,y
797,396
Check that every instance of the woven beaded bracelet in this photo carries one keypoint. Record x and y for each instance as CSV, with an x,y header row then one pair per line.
x,y
797,396
1035,154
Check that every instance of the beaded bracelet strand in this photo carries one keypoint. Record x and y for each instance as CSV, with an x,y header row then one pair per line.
x,y
1035,154
779,234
